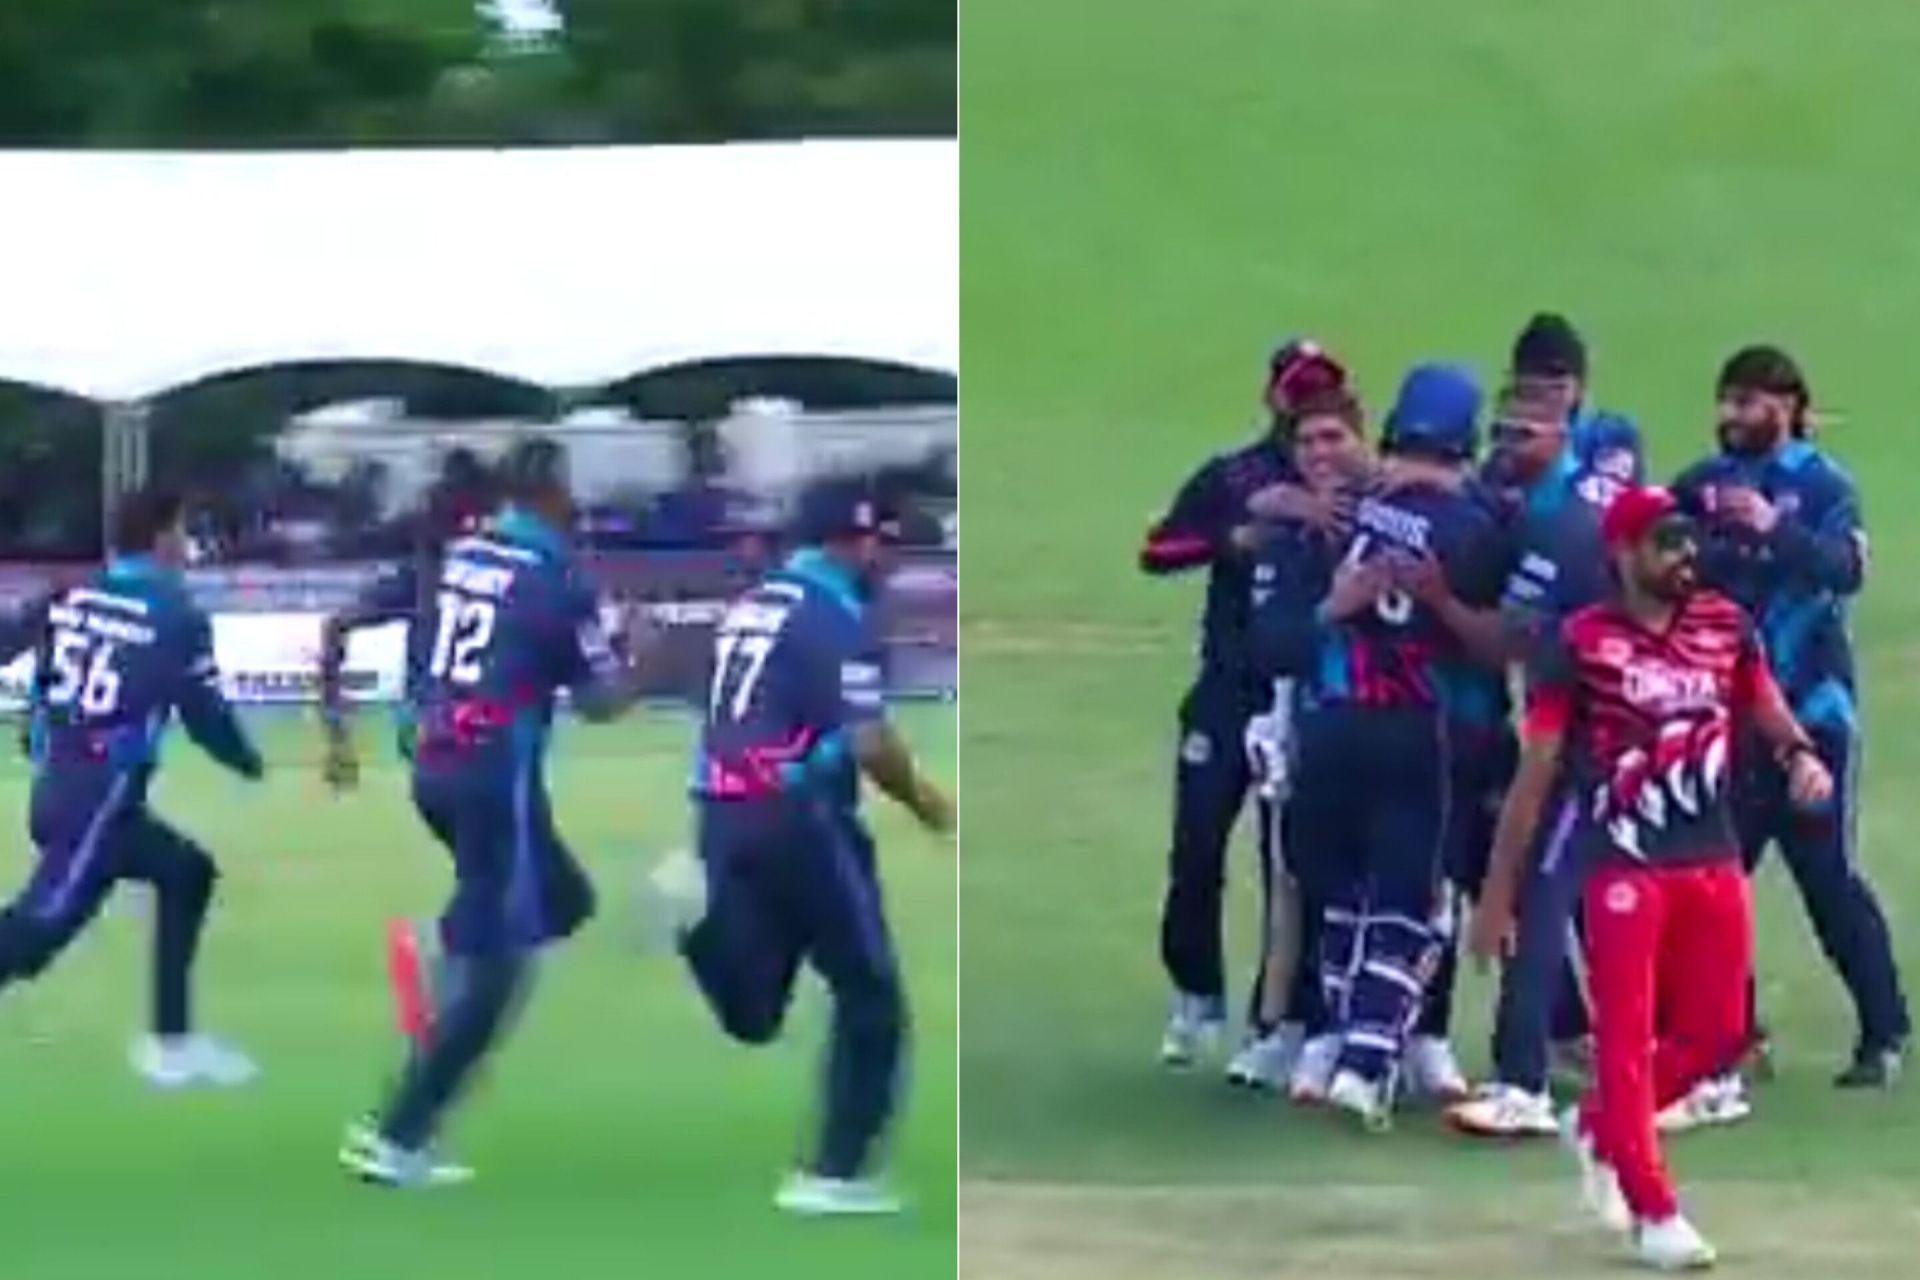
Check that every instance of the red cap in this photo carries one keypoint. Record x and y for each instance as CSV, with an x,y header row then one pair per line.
x,y
1300,369
1633,512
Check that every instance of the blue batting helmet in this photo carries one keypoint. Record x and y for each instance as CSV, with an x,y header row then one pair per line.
x,y
1436,414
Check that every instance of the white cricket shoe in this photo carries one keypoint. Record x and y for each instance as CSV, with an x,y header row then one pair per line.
x,y
1432,1071
1363,1098
178,1062
1722,1100
812,1196
673,901
1313,1070
1672,1244
1193,1029
1504,1111
1599,1186
372,1158
1266,1061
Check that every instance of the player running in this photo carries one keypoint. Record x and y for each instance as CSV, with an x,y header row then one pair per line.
x,y
1642,701
1781,533
511,622
786,869
457,506
1213,522
116,660
1378,661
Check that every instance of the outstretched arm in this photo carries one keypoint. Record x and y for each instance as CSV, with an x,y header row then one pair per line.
x,y
20,628
394,597
1197,529
204,710
605,685
1831,553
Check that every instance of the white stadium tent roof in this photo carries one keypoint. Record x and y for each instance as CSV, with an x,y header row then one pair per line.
x,y
127,274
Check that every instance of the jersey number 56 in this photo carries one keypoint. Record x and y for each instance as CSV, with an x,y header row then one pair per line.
x,y
83,673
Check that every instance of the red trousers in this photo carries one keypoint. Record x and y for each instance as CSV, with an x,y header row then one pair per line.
x,y
1667,947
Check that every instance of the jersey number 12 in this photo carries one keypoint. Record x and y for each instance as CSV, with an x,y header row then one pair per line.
x,y
466,629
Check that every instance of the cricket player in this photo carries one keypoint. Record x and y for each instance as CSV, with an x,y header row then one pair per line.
x,y
117,659
786,869
1645,701
1213,522
1291,1040
1296,554
1550,364
456,507
1781,533
511,622
1558,567
1378,659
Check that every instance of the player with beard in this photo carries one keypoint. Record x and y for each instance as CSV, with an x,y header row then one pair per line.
x,y
1781,533
1637,703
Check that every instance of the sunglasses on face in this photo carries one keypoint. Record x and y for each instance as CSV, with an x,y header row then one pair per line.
x,y
1518,432
1673,534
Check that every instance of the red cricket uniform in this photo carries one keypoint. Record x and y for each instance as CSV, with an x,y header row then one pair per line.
x,y
1650,721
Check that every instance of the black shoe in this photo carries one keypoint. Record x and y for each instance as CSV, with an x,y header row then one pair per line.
x,y
1873,1069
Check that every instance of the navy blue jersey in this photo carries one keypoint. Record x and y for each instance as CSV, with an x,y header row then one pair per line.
x,y
1292,571
511,622
797,666
1397,654
1795,581
118,658
1197,530
1559,559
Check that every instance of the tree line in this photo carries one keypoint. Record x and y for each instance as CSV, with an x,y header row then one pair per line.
x,y
301,73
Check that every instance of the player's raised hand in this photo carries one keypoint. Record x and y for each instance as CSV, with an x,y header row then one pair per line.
x,y
1294,502
1356,586
1420,576
1747,506
1809,783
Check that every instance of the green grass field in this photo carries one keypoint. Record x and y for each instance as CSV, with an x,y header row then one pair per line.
x,y
1154,193
620,1135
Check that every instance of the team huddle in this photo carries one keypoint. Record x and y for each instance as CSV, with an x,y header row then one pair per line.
x,y
502,621
1687,700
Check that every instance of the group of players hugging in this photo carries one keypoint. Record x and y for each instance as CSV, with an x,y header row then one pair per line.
x,y
1530,702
